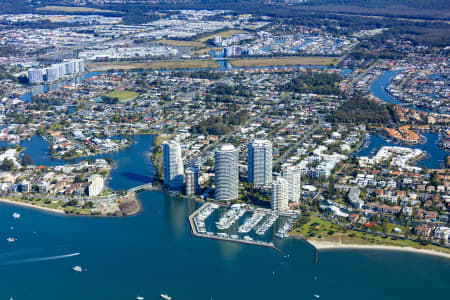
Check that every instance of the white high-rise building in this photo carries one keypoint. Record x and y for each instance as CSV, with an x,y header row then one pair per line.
x,y
173,165
61,69
280,200
70,68
96,185
76,66
80,64
191,185
35,75
56,71
293,176
226,167
260,162
52,73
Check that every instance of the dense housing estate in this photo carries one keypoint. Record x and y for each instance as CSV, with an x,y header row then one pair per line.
x,y
247,110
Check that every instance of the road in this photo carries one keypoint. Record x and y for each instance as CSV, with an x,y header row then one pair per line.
x,y
297,144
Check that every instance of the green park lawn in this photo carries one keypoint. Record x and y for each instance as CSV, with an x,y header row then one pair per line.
x,y
122,95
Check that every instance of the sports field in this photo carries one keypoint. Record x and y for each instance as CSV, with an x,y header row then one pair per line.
x,y
122,95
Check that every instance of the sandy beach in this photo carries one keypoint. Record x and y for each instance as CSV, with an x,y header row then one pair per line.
x,y
52,210
130,205
319,245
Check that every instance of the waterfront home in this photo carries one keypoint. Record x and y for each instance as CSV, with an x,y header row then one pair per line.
x,y
442,233
353,218
423,230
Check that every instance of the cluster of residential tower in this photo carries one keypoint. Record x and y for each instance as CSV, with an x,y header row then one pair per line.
x,y
284,189
56,71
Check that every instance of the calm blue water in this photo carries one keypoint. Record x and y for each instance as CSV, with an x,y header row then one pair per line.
x,y
433,160
154,253
345,72
217,53
37,148
266,49
378,88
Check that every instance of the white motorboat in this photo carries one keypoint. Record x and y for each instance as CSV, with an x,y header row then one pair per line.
x,y
77,268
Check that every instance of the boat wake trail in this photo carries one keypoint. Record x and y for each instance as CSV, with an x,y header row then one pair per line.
x,y
36,259
18,252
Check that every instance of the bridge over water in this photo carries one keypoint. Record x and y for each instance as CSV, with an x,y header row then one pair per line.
x,y
146,186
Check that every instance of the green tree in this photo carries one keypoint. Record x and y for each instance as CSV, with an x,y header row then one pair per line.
x,y
7,165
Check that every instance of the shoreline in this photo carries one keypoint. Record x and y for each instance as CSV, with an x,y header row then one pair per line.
x,y
130,205
29,205
323,245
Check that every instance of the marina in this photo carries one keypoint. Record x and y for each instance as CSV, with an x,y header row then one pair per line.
x,y
231,217
203,227
251,222
434,156
283,231
267,224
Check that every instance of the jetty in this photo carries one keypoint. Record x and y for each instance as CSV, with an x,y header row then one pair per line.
x,y
195,232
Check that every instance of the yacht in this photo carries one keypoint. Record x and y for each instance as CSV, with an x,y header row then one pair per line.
x,y
165,297
139,298
77,269
11,239
248,238
16,215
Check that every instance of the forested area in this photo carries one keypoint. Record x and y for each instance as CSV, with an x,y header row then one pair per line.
x,y
227,90
212,75
412,8
317,83
437,4
359,110
217,125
